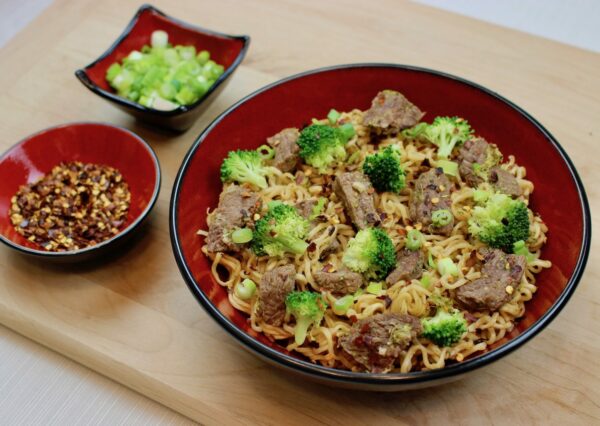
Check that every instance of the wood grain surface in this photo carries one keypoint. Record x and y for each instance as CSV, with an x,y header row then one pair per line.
x,y
131,316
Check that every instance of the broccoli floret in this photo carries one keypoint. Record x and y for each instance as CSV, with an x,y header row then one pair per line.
x,y
321,145
384,170
500,222
444,329
308,308
371,252
244,167
280,230
446,133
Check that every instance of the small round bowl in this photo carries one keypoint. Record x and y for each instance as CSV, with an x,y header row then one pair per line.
x,y
559,197
98,143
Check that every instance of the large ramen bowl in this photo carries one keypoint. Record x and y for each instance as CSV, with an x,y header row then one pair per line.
x,y
559,197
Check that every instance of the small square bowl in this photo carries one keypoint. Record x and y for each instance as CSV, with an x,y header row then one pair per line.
x,y
225,49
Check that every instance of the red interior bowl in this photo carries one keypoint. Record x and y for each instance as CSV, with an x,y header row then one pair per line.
x,y
97,143
226,50
293,102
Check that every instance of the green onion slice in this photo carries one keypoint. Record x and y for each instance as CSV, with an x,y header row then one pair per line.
x,y
375,288
333,116
414,239
266,152
341,305
241,235
245,289
441,217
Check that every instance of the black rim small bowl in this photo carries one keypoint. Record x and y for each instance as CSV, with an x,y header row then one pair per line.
x,y
380,381
113,97
87,252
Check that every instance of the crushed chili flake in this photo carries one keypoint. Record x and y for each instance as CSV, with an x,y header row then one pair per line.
x,y
74,206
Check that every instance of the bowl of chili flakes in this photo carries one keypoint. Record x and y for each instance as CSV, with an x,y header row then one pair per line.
x,y
74,190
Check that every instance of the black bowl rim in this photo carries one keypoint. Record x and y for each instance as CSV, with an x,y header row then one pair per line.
x,y
134,225
81,73
389,380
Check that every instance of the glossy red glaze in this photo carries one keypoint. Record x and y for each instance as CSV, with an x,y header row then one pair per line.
x,y
224,49
96,143
294,102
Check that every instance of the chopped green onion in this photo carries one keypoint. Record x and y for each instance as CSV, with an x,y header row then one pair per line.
x,y
241,235
449,167
520,248
333,116
266,152
245,289
341,305
447,267
441,217
375,288
113,71
415,132
163,104
414,239
159,38
317,208
347,131
430,260
164,77
203,57
426,280
358,293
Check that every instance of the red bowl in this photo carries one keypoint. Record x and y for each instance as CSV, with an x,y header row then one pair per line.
x,y
293,102
97,143
227,50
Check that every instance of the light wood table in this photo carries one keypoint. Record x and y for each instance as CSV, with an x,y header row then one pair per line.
x,y
132,318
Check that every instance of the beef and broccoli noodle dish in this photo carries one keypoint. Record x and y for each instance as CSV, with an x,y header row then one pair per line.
x,y
377,241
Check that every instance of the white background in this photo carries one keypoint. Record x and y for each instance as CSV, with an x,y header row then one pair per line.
x,y
38,386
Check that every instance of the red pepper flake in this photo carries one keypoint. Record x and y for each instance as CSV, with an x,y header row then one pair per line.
x,y
311,247
327,267
353,318
469,317
299,178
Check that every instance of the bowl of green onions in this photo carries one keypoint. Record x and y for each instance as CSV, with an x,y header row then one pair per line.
x,y
164,71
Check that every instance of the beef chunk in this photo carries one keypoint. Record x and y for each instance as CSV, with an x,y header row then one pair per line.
x,y
489,292
305,207
274,287
377,341
431,193
236,207
473,151
356,193
286,149
391,112
342,282
504,182
409,266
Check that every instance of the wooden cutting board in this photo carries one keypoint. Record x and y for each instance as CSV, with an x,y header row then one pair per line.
x,y
132,318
